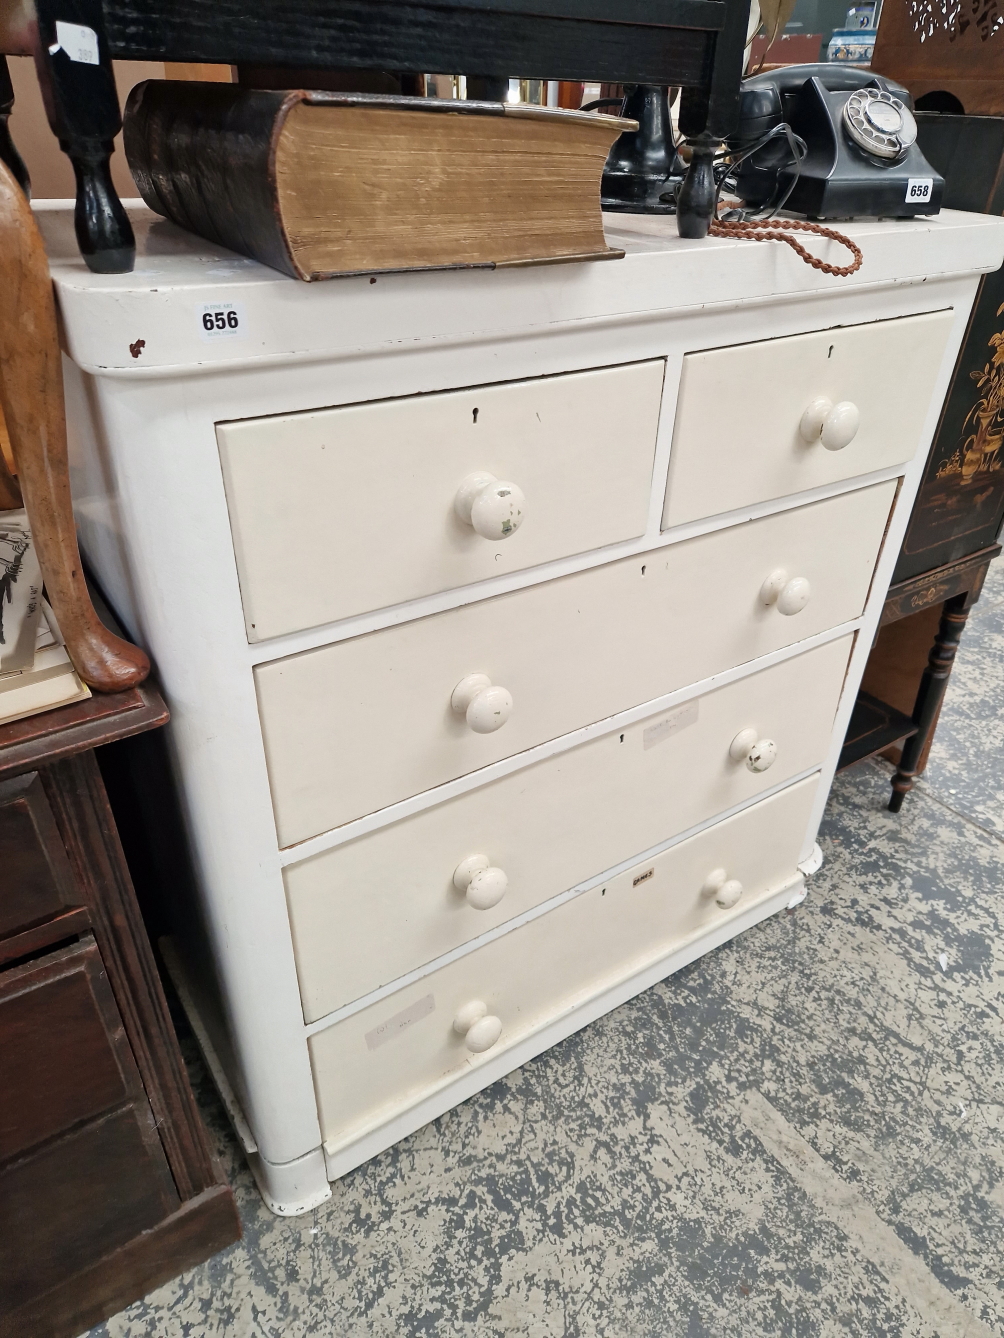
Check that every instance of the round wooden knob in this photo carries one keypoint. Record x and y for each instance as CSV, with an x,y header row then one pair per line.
x,y
485,706
478,1027
484,884
714,883
729,893
762,755
725,890
794,597
834,426
739,748
493,507
789,593
758,754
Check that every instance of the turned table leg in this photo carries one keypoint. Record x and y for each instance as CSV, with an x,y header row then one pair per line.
x,y
81,102
695,200
931,692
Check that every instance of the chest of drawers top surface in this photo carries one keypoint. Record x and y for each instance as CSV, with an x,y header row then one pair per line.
x,y
162,302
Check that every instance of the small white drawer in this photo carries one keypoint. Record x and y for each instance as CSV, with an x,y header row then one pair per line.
x,y
375,908
389,1056
341,511
355,726
752,421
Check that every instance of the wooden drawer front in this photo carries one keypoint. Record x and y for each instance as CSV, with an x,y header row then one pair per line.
x,y
372,910
345,510
753,451
36,882
388,1056
355,726
82,1170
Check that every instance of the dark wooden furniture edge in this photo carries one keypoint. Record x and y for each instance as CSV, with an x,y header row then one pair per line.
x,y
933,684
956,586
862,742
179,1242
76,794
69,923
919,592
67,730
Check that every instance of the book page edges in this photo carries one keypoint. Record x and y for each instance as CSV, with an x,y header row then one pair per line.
x,y
607,253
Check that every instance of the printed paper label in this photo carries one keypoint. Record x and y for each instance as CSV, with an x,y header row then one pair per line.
x,y
222,320
670,724
919,189
79,43
20,593
399,1022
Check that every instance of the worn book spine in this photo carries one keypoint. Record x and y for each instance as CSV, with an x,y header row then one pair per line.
x,y
203,156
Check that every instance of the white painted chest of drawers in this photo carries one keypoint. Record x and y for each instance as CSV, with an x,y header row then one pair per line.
x,y
461,776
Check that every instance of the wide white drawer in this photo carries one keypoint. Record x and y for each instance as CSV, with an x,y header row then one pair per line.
x,y
737,437
352,727
340,511
375,908
389,1056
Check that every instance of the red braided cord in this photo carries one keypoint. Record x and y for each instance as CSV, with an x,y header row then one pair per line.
x,y
766,230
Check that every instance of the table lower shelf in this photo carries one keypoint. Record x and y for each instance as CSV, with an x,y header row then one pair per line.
x,y
874,726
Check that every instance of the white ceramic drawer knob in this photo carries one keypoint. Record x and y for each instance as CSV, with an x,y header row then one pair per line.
x,y
478,1027
725,890
494,507
484,884
834,426
729,893
486,707
758,754
789,593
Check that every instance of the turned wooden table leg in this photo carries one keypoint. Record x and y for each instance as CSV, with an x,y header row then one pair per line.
x,y
78,87
931,692
31,395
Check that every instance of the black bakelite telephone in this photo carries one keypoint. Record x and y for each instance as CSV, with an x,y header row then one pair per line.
x,y
830,141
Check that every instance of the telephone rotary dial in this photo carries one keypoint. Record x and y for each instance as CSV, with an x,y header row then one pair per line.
x,y
861,155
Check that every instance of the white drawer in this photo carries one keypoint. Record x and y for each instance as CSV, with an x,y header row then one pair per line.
x,y
352,727
387,1057
375,908
340,511
736,440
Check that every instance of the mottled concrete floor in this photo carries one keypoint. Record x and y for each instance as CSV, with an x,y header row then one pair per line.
x,y
801,1134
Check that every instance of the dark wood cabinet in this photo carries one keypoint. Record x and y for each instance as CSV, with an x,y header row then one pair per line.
x,y
107,1184
951,538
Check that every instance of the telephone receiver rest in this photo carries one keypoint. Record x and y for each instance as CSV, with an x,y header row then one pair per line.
x,y
788,96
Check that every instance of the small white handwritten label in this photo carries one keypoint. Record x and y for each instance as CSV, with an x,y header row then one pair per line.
x,y
643,877
79,43
919,189
222,320
400,1022
671,724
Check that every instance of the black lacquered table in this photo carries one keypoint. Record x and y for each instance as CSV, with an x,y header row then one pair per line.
x,y
696,44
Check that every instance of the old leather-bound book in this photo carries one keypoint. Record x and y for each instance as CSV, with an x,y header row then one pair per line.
x,y
319,184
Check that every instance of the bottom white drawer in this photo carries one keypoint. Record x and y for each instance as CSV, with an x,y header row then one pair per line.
x,y
391,1055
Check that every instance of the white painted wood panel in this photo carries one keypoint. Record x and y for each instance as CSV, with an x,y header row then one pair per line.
x,y
345,510
373,909
736,440
392,1054
352,727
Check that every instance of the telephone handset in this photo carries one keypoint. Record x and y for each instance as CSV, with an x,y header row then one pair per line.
x,y
861,156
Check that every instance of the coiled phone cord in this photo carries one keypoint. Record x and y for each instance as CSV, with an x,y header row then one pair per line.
x,y
778,230
738,223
